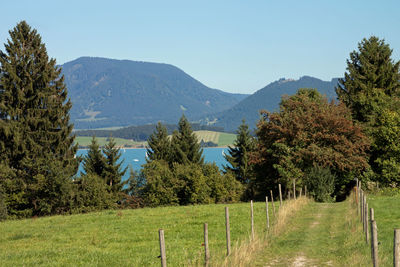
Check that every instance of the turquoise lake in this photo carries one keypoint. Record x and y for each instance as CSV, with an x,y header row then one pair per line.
x,y
136,157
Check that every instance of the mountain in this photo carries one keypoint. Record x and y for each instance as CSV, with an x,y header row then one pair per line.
x,y
267,98
107,92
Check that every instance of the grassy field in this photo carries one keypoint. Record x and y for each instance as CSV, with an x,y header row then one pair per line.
x,y
221,139
125,237
387,217
86,140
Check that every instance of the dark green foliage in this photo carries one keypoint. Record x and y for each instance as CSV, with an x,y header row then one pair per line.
x,y
321,183
268,98
159,145
238,156
94,162
3,206
113,171
371,89
161,184
92,194
137,93
185,146
35,134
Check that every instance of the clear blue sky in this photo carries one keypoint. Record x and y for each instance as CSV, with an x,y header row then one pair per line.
x,y
235,46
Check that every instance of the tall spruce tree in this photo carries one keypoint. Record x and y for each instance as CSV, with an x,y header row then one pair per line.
x,y
371,89
35,133
185,146
159,145
94,162
238,156
113,171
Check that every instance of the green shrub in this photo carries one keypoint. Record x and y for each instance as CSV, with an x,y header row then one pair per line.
x,y
321,183
3,206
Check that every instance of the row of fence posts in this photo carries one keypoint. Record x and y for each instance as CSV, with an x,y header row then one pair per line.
x,y
362,210
163,255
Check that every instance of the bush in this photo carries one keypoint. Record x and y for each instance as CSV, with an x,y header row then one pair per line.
x,y
92,194
321,183
3,206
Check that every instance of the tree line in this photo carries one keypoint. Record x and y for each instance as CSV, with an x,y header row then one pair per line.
x,y
309,141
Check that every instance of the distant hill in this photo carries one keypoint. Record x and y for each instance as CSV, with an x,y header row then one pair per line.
x,y
106,92
267,98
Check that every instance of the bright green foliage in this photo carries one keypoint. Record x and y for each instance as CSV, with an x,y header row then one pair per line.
x,y
185,146
94,162
371,89
321,183
308,131
113,171
159,145
35,134
238,156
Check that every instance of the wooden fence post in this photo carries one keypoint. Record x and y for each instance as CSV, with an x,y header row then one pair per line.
x,y
252,220
206,248
366,223
396,248
266,209
280,195
289,195
272,201
162,248
294,189
228,232
301,191
374,242
362,207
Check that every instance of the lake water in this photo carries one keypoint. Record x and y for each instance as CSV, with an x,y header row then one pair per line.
x,y
137,157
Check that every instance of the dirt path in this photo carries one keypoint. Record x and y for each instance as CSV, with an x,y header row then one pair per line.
x,y
320,235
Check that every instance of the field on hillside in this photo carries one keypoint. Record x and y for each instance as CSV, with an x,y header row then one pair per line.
x,y
221,139
86,140
125,237
387,217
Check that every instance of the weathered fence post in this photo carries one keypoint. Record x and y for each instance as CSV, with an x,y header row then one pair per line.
x,y
280,195
162,248
294,189
206,249
252,220
266,209
372,218
371,214
272,202
289,195
366,223
301,191
396,248
362,207
228,232
374,242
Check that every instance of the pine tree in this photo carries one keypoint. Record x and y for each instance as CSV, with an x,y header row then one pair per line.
x,y
239,155
94,162
371,89
185,146
372,81
34,122
113,171
159,145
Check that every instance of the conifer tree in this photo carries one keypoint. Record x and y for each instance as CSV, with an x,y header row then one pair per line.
x,y
185,146
94,162
159,145
113,171
371,89
34,123
238,156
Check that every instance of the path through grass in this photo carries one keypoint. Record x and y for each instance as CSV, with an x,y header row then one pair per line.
x,y
319,235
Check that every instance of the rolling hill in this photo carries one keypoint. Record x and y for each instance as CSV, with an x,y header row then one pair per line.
x,y
267,98
106,92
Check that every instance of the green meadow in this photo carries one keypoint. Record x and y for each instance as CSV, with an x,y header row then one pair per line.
x,y
126,237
